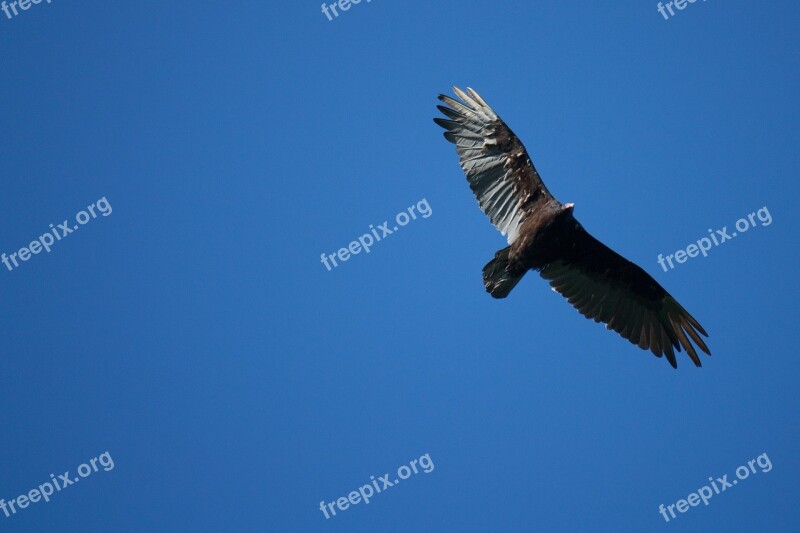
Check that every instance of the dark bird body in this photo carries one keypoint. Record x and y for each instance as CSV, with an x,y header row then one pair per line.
x,y
544,236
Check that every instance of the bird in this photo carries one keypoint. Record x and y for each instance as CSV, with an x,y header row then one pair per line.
x,y
543,235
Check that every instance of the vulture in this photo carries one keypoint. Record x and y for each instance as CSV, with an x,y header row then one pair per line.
x,y
543,235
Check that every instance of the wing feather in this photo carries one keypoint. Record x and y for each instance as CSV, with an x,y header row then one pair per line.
x,y
498,168
604,286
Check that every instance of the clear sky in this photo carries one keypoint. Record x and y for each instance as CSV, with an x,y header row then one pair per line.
x,y
194,334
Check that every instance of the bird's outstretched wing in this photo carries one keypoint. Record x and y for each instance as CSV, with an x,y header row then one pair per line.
x,y
499,170
608,288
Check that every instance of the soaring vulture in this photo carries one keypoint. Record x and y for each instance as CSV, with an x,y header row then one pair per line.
x,y
543,235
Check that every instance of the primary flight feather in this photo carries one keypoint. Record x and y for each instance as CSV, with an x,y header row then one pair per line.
x,y
543,235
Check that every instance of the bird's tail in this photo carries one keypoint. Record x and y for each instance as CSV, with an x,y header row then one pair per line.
x,y
497,278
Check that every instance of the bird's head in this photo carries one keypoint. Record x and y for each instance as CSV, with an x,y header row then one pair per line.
x,y
564,211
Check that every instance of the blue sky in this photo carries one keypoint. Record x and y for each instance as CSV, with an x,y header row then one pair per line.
x,y
195,335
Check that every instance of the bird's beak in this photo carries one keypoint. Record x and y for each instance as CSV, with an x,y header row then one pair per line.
x,y
569,206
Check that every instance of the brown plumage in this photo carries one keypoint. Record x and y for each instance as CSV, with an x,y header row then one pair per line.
x,y
544,236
